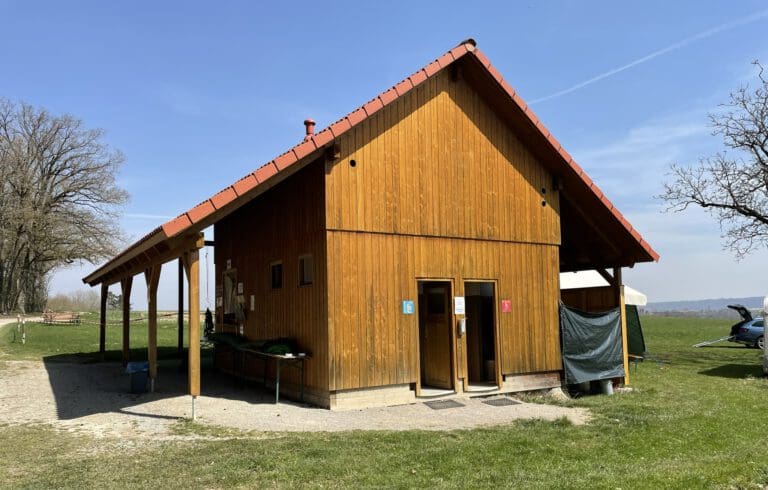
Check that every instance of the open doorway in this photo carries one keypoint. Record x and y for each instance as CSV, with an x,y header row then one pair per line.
x,y
481,335
435,340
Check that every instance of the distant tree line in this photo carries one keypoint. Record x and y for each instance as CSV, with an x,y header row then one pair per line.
x,y
83,300
724,313
59,201
80,300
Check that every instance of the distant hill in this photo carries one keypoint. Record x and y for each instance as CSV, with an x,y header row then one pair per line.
x,y
708,307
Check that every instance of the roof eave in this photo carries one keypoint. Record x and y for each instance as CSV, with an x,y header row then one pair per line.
x,y
149,240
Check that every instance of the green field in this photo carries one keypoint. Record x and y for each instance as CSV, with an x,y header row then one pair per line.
x,y
80,343
701,421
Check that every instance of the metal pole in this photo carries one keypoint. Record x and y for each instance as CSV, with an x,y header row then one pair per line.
x,y
194,414
277,382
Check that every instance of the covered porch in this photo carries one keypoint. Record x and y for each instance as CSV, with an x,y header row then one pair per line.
x,y
146,257
597,239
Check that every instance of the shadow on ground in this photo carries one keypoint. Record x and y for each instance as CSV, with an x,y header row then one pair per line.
x,y
83,386
731,346
736,371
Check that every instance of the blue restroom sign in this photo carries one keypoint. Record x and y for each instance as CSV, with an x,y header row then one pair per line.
x,y
408,308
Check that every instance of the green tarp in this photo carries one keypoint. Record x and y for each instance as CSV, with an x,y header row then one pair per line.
x,y
635,340
592,347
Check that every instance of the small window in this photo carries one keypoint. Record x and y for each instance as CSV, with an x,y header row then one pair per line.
x,y
306,270
276,273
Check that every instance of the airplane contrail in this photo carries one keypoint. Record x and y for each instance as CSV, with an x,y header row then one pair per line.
x,y
672,47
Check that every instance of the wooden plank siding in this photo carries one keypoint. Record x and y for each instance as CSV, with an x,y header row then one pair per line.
x,y
440,188
282,224
374,344
592,300
439,162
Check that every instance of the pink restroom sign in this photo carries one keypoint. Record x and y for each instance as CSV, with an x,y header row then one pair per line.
x,y
506,306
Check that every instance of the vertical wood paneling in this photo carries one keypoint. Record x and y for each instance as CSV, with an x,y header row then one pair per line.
x,y
282,224
368,314
593,300
439,162
436,173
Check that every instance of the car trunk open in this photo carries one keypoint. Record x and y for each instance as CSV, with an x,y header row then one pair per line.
x,y
745,315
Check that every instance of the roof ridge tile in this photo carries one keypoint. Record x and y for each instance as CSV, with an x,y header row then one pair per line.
x,y
245,184
389,96
373,106
224,197
263,173
418,77
445,60
340,127
432,68
403,87
286,159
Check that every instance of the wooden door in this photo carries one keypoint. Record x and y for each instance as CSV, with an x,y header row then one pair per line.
x,y
435,335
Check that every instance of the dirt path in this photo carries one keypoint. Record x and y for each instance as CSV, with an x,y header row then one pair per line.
x,y
93,398
9,320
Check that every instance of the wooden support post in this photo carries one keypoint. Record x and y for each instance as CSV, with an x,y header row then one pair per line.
x,y
152,276
103,320
192,267
125,286
622,309
191,261
181,312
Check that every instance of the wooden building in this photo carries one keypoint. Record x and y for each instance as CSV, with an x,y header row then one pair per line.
x,y
412,248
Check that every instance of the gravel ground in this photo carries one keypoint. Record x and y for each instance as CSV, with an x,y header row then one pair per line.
x,y
93,398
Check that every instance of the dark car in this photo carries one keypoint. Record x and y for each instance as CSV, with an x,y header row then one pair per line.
x,y
749,331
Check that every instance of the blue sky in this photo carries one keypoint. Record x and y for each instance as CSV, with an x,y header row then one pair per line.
x,y
198,94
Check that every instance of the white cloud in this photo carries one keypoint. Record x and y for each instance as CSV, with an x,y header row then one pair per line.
x,y
693,264
631,169
661,137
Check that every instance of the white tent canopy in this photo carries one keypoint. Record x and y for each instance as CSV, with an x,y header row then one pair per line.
x,y
592,279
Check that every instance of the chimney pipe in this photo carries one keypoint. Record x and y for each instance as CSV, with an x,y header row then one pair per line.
x,y
309,124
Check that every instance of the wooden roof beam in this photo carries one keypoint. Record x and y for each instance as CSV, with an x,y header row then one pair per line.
x,y
137,266
587,219
611,280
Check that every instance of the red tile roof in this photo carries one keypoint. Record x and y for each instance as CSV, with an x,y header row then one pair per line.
x,y
321,139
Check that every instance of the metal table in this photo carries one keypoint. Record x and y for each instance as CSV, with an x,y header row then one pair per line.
x,y
281,361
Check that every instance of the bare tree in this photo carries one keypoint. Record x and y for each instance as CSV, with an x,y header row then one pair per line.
x,y
59,201
78,300
732,185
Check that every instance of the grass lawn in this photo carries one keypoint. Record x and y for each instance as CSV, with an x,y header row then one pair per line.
x,y
81,342
700,422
